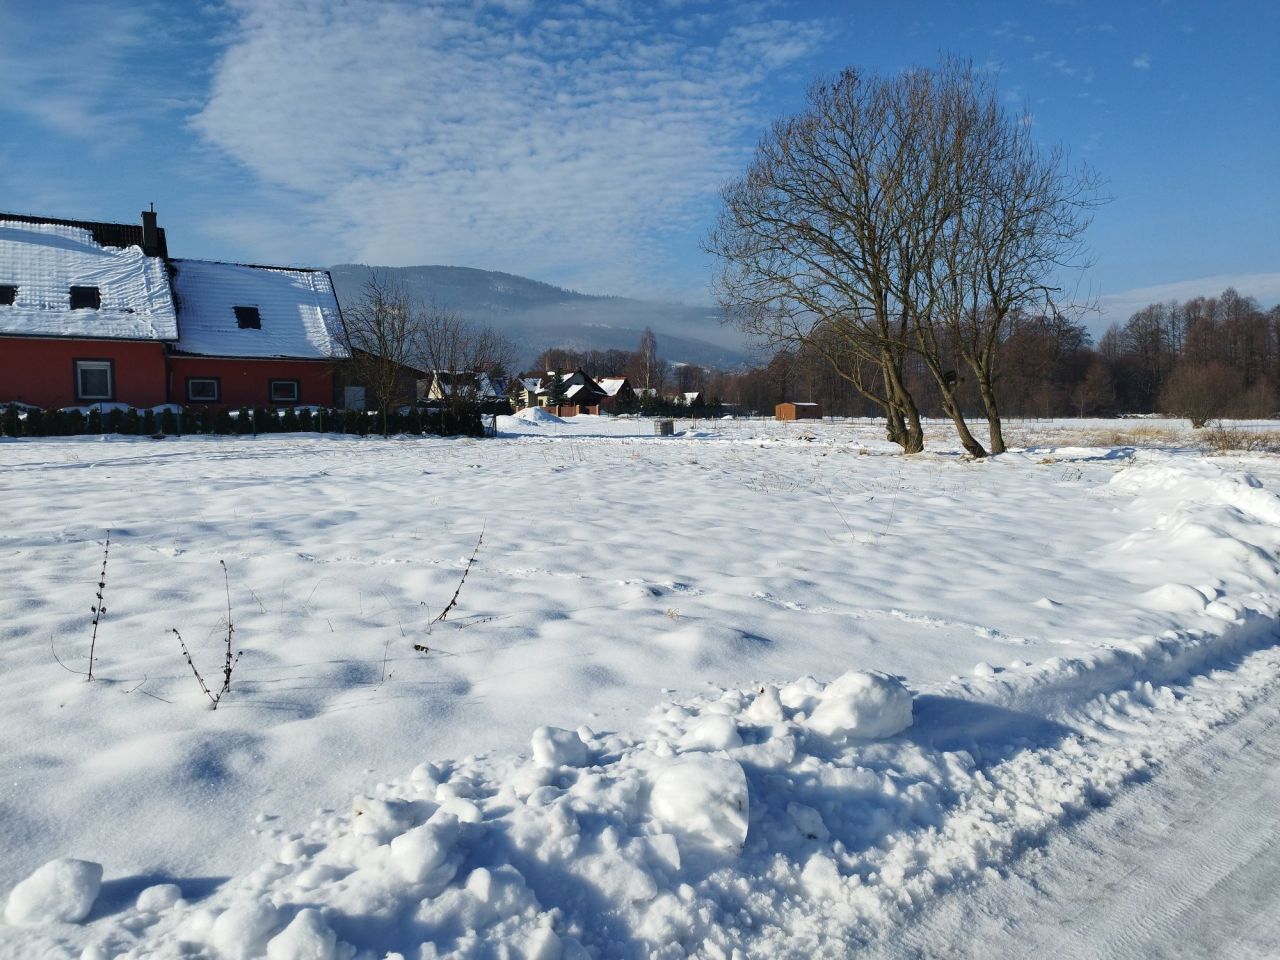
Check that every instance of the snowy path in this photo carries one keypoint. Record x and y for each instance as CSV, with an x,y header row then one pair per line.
x,y
1184,865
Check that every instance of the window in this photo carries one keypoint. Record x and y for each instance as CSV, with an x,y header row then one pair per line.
x,y
94,380
85,298
284,391
8,294
248,318
204,389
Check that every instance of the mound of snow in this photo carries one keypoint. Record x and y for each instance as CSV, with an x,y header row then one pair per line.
x,y
867,706
1174,597
307,937
553,747
61,891
537,415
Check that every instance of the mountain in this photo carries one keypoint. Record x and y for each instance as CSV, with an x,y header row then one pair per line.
x,y
538,315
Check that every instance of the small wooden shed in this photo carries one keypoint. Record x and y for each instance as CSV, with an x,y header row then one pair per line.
x,y
797,411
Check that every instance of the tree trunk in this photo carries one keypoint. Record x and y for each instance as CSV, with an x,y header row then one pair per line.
x,y
992,409
971,444
904,419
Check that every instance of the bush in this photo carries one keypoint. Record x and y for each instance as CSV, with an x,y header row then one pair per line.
x,y
1201,391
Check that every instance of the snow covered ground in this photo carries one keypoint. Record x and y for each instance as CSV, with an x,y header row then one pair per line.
x,y
756,689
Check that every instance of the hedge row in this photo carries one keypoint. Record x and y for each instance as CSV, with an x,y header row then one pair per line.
x,y
30,422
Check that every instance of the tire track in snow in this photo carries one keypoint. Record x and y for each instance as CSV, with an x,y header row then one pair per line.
x,y
1186,864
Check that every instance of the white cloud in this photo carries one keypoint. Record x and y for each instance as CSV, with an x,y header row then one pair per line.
x,y
1119,307
1141,62
565,143
97,73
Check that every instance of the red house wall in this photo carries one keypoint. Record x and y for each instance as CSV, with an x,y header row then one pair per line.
x,y
42,372
247,383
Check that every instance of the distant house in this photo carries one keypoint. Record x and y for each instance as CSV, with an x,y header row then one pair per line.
x,y
618,394
86,312
523,391
470,386
446,384
580,394
95,312
797,411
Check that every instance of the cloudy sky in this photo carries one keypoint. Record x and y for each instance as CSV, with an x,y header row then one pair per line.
x,y
583,142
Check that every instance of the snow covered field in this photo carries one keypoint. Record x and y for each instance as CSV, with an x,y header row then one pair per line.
x,y
625,738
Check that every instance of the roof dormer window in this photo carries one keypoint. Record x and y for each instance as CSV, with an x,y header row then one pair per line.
x,y
8,294
85,298
248,318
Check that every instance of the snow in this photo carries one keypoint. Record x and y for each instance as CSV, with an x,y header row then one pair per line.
x,y
298,310
45,260
748,692
553,747
867,706
61,891
533,415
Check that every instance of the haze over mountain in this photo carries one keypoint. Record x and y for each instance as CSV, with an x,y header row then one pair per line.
x,y
538,315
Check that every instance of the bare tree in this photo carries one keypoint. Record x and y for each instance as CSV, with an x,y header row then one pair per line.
x,y
814,238
1018,215
647,362
380,332
900,220
1201,392
465,362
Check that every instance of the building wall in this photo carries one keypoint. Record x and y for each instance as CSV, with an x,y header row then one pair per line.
x,y
792,411
246,383
42,372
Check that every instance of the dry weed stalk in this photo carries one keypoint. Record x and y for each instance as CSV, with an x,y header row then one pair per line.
x,y
229,661
440,618
100,608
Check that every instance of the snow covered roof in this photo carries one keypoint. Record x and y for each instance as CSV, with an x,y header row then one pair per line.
x,y
467,382
45,259
611,385
295,311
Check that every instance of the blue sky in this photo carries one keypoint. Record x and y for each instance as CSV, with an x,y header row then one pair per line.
x,y
583,142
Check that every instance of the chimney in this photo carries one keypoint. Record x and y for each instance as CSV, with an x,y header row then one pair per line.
x,y
150,233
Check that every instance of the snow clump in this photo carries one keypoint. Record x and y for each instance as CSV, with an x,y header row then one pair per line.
x,y
61,891
703,797
864,706
553,747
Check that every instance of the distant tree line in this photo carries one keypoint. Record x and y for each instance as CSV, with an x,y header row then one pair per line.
x,y
1203,358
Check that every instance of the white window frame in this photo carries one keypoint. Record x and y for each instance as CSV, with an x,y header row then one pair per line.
x,y
297,391
217,389
84,366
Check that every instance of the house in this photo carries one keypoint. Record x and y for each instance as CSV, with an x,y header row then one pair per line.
x,y
797,411
86,312
579,393
523,392
618,394
94,312
252,336
469,386
355,375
